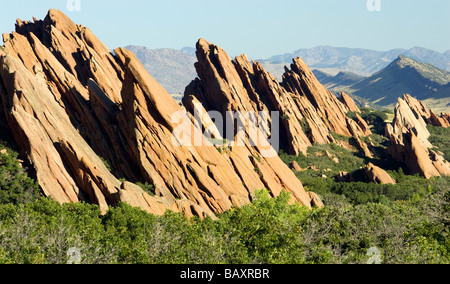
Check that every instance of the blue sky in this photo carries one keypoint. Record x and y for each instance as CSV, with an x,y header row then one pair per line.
x,y
260,28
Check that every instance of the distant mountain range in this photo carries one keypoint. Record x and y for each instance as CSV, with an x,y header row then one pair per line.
x,y
173,69
342,80
379,77
404,75
364,62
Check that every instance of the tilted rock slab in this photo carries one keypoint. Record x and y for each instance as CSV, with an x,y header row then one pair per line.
x,y
429,116
66,167
308,112
377,175
69,101
409,141
349,103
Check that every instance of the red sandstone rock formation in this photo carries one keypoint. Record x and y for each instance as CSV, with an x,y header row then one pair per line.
x,y
349,103
307,110
429,116
377,175
409,141
69,101
441,121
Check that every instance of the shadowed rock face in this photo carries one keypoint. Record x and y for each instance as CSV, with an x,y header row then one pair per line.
x,y
377,175
307,110
69,101
409,140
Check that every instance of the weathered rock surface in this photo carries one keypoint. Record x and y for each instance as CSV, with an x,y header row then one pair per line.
x,y
429,116
441,121
409,140
69,101
377,175
66,167
417,107
315,200
295,166
363,125
307,111
349,103
406,118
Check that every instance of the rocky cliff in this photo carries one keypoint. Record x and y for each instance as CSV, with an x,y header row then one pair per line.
x,y
409,139
429,116
308,112
71,105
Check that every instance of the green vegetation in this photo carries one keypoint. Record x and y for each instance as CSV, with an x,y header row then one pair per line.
x,y
376,118
15,186
222,145
321,175
105,162
267,231
440,137
408,222
148,188
305,126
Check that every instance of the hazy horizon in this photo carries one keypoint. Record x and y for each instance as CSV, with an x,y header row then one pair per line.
x,y
260,29
301,48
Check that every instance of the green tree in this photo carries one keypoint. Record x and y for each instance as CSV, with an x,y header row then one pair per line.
x,y
15,185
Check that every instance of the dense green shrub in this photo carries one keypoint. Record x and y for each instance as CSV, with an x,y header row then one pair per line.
x,y
15,185
269,230
377,119
440,138
407,223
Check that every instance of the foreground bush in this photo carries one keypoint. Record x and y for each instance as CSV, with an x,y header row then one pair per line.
x,y
15,185
404,223
267,231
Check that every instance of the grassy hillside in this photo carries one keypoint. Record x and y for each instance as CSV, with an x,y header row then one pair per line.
x,y
403,76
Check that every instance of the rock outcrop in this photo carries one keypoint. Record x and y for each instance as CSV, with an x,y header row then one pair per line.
x,y
377,175
295,166
429,116
315,200
71,104
442,121
409,140
307,111
349,103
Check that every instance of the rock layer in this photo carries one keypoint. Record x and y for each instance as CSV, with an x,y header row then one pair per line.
x,y
349,103
409,140
307,111
69,101
429,116
377,175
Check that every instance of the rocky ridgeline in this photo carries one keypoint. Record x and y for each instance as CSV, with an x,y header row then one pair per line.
x,y
68,101
308,112
71,104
